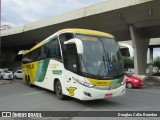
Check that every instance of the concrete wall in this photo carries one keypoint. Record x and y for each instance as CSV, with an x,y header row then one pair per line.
x,y
14,65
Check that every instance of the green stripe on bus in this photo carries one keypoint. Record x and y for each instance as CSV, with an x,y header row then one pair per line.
x,y
57,72
41,70
121,79
114,81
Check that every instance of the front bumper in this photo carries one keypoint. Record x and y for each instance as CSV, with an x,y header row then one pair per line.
x,y
92,93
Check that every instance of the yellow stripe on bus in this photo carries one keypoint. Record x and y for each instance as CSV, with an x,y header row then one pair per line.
x,y
100,82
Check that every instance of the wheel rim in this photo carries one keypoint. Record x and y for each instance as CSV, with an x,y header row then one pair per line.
x,y
129,85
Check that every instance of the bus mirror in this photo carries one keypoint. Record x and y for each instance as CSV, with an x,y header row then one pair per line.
x,y
78,43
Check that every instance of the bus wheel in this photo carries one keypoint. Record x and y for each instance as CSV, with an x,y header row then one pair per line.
x,y
28,82
58,90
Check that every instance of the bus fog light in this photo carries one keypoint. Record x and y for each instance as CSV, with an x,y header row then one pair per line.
x,y
87,94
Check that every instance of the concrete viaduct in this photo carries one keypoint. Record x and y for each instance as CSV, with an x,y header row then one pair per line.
x,y
136,20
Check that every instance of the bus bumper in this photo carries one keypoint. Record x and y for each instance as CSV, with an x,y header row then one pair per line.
x,y
87,93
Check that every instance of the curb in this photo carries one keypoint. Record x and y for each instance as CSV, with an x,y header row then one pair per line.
x,y
5,82
147,86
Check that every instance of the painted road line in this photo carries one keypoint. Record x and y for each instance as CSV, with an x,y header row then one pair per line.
x,y
33,93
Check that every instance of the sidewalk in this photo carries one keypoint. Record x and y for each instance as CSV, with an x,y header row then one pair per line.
x,y
151,81
5,81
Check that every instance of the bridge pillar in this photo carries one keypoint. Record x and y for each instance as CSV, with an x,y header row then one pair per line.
x,y
151,55
140,46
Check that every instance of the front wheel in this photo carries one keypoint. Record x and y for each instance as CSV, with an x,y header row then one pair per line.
x,y
15,77
58,90
129,85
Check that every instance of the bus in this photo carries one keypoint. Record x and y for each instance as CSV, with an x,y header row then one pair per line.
x,y
80,63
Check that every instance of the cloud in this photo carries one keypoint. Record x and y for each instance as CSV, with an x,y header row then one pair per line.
x,y
19,12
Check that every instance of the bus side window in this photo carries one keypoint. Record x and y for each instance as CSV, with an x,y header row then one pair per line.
x,y
39,54
35,55
64,37
43,52
71,62
54,49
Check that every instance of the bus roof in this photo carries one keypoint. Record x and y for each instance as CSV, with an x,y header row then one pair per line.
x,y
71,30
86,31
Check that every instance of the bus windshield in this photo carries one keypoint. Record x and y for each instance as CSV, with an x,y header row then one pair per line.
x,y
101,56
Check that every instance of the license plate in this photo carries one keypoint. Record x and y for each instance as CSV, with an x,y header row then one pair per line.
x,y
108,95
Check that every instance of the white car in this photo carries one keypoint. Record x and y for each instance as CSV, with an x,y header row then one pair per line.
x,y
18,74
6,74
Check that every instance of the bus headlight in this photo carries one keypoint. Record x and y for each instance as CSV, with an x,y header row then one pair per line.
x,y
84,83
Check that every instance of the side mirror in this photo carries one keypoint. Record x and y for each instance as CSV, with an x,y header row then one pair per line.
x,y
78,43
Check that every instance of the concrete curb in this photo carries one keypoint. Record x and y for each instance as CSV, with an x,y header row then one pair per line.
x,y
5,82
151,81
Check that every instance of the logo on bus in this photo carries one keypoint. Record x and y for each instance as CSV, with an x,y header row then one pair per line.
x,y
71,90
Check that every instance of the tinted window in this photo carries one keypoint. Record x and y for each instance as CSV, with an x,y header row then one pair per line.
x,y
71,58
48,50
53,49
65,37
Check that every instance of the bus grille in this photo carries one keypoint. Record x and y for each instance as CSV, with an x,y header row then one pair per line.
x,y
107,87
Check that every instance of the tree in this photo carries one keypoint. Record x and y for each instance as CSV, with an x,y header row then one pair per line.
x,y
157,64
128,62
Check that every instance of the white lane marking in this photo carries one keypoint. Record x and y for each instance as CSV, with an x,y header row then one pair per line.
x,y
33,93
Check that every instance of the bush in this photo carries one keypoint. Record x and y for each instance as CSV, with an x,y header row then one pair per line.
x,y
128,62
156,63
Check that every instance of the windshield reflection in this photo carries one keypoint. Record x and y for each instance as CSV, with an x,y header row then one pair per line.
x,y
101,56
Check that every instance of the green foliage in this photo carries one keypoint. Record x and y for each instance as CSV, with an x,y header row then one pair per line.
x,y
157,62
128,62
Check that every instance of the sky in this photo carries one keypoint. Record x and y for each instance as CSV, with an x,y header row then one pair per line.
x,y
20,12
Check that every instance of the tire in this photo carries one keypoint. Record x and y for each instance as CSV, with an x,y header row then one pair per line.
x,y
15,77
58,90
129,85
28,81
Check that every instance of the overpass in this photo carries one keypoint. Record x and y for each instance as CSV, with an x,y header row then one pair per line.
x,y
138,20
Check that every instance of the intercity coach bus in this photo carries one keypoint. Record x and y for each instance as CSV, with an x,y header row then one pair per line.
x,y
84,64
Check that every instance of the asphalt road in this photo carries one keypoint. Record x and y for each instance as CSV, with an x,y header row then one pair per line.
x,y
19,97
